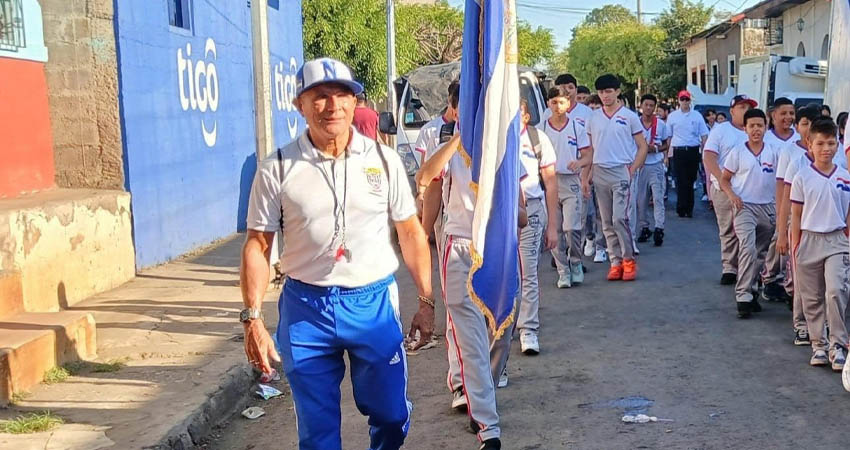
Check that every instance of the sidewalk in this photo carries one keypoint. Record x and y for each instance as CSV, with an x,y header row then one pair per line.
x,y
176,328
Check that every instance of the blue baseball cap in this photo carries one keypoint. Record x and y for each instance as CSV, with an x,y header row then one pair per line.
x,y
325,70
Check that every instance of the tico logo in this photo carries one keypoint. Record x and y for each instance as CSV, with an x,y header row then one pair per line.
x,y
200,92
284,92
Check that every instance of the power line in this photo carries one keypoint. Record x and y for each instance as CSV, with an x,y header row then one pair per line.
x,y
565,9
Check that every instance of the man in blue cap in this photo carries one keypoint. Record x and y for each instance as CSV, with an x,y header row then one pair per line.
x,y
332,192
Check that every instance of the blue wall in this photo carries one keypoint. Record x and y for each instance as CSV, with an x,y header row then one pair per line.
x,y
189,151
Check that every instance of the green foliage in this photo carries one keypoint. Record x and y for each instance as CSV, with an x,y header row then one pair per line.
x,y
680,21
31,423
354,31
608,14
628,50
536,45
56,375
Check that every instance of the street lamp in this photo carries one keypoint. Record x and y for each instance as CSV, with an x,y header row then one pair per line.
x,y
801,24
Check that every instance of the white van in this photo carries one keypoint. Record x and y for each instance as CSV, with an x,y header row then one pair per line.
x,y
421,96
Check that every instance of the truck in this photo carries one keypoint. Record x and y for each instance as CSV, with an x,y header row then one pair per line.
x,y
421,96
766,78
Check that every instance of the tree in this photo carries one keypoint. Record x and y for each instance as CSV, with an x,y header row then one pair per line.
x,y
628,50
436,29
536,45
608,14
680,21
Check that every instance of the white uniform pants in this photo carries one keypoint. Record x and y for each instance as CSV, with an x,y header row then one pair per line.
x,y
651,183
529,251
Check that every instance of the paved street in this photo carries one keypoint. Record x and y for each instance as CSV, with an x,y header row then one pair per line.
x,y
669,341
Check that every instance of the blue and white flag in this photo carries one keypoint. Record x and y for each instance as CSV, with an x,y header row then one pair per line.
x,y
489,127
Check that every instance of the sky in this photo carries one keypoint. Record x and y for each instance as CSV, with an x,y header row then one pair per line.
x,y
551,13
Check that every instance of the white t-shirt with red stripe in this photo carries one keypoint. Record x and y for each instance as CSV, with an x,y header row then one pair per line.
x,y
788,153
656,134
721,140
612,137
772,138
753,175
527,157
428,141
825,198
568,141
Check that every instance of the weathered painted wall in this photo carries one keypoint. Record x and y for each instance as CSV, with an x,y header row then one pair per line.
x,y
187,111
82,75
67,244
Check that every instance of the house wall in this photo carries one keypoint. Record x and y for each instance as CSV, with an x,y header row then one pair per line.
x,y
816,19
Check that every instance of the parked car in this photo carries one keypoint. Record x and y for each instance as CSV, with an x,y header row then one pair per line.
x,y
421,96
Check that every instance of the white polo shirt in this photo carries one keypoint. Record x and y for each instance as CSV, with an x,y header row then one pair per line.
x,y
825,198
532,166
686,129
753,176
657,138
429,139
794,166
612,137
306,197
846,135
788,153
722,139
771,137
569,142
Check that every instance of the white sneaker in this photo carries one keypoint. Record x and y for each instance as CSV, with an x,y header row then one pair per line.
x,y
845,377
528,343
564,280
601,255
634,245
503,378
459,400
819,358
838,359
588,247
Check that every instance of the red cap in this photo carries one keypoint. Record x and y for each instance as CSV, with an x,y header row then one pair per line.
x,y
743,98
684,93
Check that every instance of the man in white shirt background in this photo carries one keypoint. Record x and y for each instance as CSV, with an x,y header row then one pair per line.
x,y
688,133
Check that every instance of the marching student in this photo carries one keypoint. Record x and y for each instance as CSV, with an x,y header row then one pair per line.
x,y
582,94
577,111
749,181
433,199
799,156
652,176
780,135
722,139
688,132
571,142
820,211
538,159
614,132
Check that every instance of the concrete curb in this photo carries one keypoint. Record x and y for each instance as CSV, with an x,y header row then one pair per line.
x,y
230,396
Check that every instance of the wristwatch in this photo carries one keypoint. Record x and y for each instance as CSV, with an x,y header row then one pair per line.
x,y
249,314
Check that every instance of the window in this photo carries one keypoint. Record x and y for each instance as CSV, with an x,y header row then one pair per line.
x,y
180,14
702,77
733,76
12,35
715,77
274,4
693,76
801,49
824,48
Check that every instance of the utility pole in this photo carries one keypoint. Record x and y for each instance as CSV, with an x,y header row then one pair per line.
x,y
639,16
391,70
262,80
640,21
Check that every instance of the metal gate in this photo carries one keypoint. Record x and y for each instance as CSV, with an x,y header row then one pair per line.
x,y
12,35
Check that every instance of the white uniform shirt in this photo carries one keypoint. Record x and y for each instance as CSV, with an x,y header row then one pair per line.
x,y
568,142
771,137
306,198
686,129
612,137
825,198
722,139
660,136
846,136
531,184
429,139
787,153
795,165
753,176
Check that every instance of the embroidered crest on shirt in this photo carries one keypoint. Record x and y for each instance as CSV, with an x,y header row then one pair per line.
x,y
767,167
621,120
374,177
843,184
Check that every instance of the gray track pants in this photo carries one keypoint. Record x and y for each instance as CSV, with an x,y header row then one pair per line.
x,y
728,241
482,358
613,196
651,183
453,378
569,249
529,251
754,227
822,277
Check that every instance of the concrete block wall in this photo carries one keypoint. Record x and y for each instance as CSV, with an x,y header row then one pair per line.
x,y
82,79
